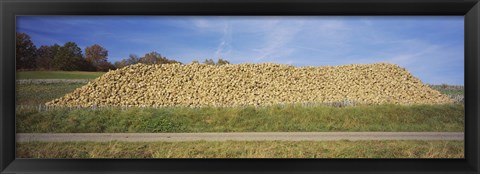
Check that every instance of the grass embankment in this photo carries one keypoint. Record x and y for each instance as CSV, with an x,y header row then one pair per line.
x,y
244,149
247,119
58,75
287,118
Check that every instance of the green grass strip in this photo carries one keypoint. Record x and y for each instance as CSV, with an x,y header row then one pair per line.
x,y
290,118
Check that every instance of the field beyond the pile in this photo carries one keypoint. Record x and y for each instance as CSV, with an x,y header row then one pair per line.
x,y
58,75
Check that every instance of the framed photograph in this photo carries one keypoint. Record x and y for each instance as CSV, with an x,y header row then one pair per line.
x,y
239,86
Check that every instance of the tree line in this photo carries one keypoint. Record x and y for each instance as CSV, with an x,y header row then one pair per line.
x,y
69,57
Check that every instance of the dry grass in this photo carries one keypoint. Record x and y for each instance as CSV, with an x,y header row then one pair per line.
x,y
244,149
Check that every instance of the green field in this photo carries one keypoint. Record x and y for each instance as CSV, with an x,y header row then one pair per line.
x,y
58,75
287,118
454,92
244,149
39,94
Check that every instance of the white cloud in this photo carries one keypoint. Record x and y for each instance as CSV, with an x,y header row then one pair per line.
x,y
224,47
207,24
277,40
201,23
274,38
413,54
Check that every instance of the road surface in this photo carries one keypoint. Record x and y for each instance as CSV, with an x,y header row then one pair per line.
x,y
238,136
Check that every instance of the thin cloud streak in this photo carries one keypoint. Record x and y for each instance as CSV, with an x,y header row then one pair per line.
x,y
224,48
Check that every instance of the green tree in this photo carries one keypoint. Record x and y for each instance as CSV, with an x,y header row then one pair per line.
x,y
25,52
195,62
45,55
105,66
150,58
155,58
69,58
209,62
222,62
120,64
97,56
132,59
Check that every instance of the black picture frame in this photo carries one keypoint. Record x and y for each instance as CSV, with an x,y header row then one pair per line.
x,y
470,9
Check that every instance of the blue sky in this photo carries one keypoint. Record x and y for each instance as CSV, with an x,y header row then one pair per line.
x,y
430,47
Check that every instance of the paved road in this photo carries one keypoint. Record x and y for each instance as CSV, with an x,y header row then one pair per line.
x,y
239,136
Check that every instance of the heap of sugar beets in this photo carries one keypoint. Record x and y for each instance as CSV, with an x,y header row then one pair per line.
x,y
197,85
